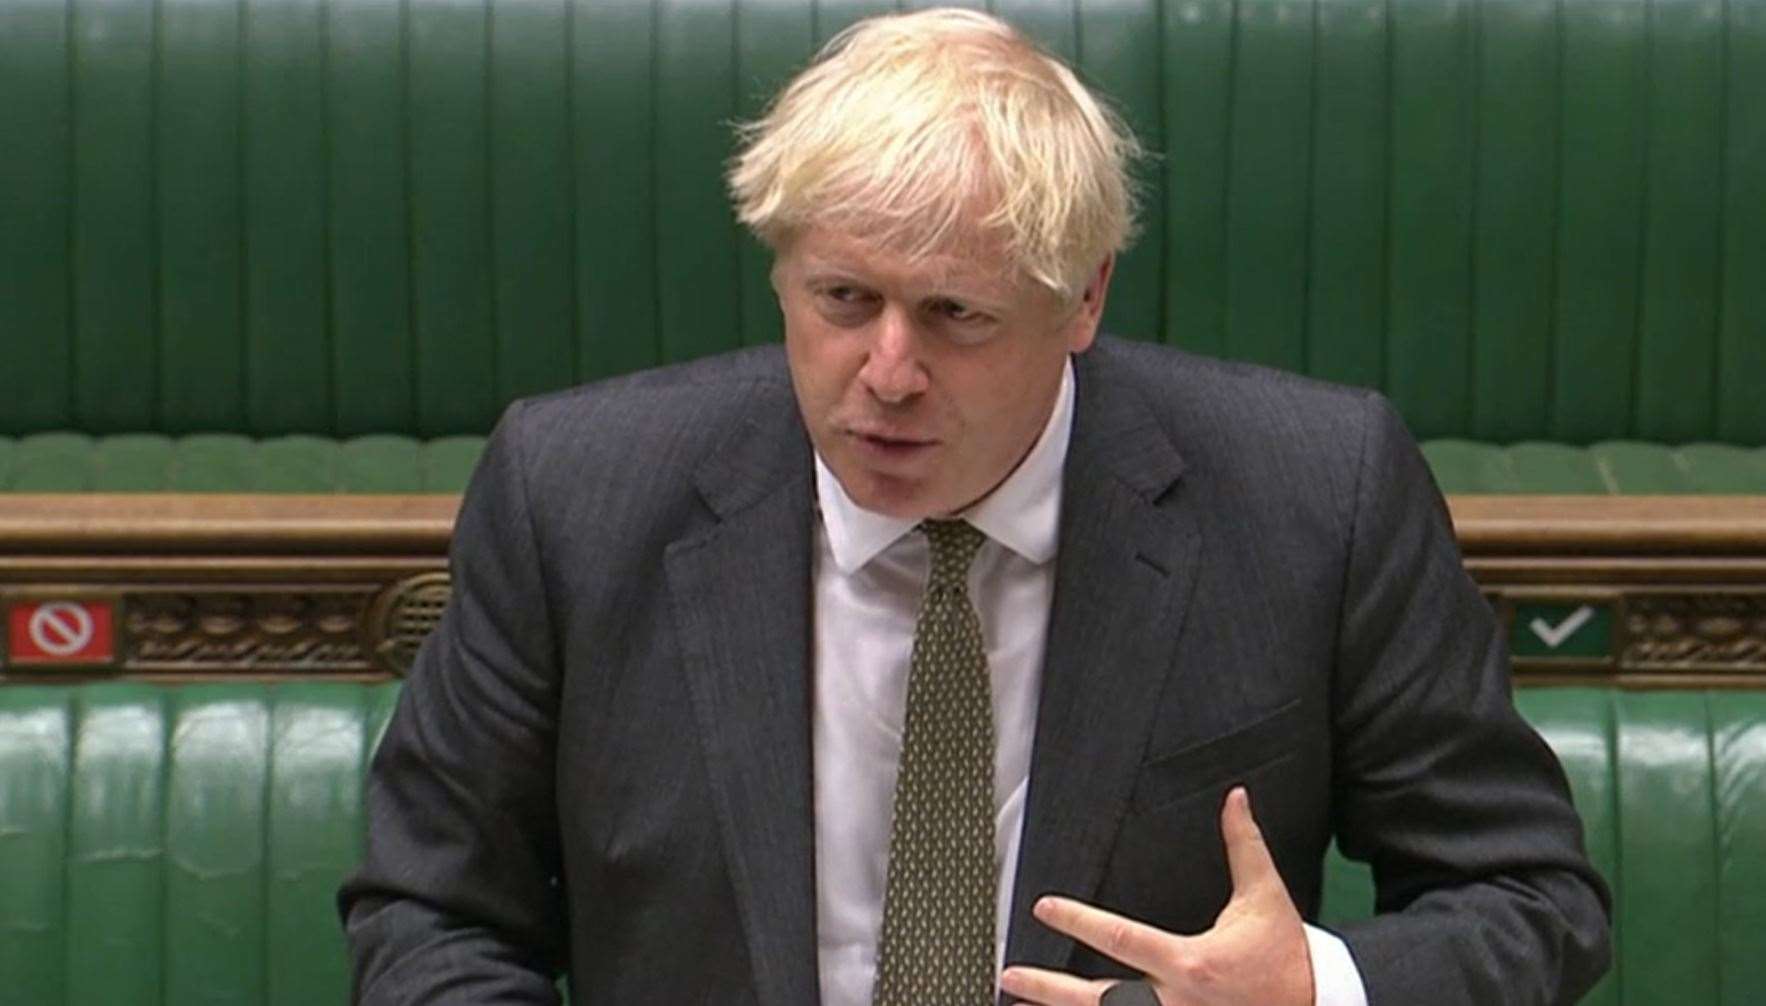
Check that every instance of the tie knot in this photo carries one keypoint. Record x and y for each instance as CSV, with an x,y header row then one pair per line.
x,y
954,543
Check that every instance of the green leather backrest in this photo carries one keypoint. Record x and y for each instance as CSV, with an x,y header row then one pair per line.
x,y
1671,787
1521,218
180,845
183,844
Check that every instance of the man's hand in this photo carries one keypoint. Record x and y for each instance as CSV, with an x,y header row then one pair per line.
x,y
1255,955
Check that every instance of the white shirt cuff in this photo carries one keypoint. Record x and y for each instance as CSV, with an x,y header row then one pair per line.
x,y
1335,979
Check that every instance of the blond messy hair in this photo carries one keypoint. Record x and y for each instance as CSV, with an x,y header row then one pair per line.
x,y
943,132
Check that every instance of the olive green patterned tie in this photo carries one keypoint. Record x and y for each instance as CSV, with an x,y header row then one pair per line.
x,y
937,946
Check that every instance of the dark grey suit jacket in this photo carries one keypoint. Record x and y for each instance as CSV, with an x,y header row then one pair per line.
x,y
601,761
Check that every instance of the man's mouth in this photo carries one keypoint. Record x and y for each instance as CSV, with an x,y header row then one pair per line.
x,y
889,443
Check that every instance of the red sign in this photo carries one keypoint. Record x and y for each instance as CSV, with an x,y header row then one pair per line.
x,y
60,632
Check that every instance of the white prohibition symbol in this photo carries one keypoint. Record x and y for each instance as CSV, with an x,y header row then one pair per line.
x,y
61,629
1554,636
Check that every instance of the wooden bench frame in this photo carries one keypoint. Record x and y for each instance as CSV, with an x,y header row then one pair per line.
x,y
346,586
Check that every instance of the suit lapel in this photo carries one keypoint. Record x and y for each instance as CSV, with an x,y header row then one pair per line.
x,y
740,594
1124,574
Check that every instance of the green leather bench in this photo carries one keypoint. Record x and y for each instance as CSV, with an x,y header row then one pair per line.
x,y
182,844
386,463
232,463
1524,220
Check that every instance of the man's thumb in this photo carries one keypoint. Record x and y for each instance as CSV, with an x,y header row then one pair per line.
x,y
1247,856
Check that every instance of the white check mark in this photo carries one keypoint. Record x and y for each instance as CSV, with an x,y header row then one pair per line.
x,y
1554,636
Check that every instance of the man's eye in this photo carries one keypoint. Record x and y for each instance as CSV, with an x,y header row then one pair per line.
x,y
956,311
843,294
844,304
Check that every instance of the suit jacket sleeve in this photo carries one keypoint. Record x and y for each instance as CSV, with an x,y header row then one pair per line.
x,y
456,900
1484,893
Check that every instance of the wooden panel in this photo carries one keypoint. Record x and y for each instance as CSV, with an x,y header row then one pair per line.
x,y
149,523
1651,592
1582,526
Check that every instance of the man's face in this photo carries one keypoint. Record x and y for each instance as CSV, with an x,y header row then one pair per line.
x,y
923,384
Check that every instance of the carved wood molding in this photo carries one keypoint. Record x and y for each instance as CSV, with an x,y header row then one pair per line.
x,y
196,586
1639,591
193,620
1646,592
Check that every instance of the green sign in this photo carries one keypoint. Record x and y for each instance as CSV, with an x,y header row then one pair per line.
x,y
1562,630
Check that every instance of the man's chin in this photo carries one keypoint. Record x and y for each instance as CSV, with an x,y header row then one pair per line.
x,y
898,505
892,495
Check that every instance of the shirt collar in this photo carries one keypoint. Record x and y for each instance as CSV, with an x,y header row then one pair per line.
x,y
1023,513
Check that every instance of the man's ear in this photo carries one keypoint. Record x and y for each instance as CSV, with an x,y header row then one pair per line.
x,y
1084,326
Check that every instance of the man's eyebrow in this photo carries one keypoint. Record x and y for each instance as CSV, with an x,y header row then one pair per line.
x,y
978,293
977,290
820,272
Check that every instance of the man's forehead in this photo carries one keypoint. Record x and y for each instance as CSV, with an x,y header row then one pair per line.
x,y
973,264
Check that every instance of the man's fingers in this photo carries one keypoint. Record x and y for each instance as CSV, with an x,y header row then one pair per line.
x,y
1135,944
1135,993
1247,856
1052,988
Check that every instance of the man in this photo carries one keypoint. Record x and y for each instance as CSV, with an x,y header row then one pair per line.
x,y
953,638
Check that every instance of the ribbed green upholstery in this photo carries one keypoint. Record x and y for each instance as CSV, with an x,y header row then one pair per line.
x,y
1524,219
1672,790
1610,467
182,844
70,462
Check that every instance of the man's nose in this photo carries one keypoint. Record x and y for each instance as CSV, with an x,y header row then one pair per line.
x,y
893,372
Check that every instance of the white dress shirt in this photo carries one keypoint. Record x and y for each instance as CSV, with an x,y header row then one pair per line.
x,y
870,573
